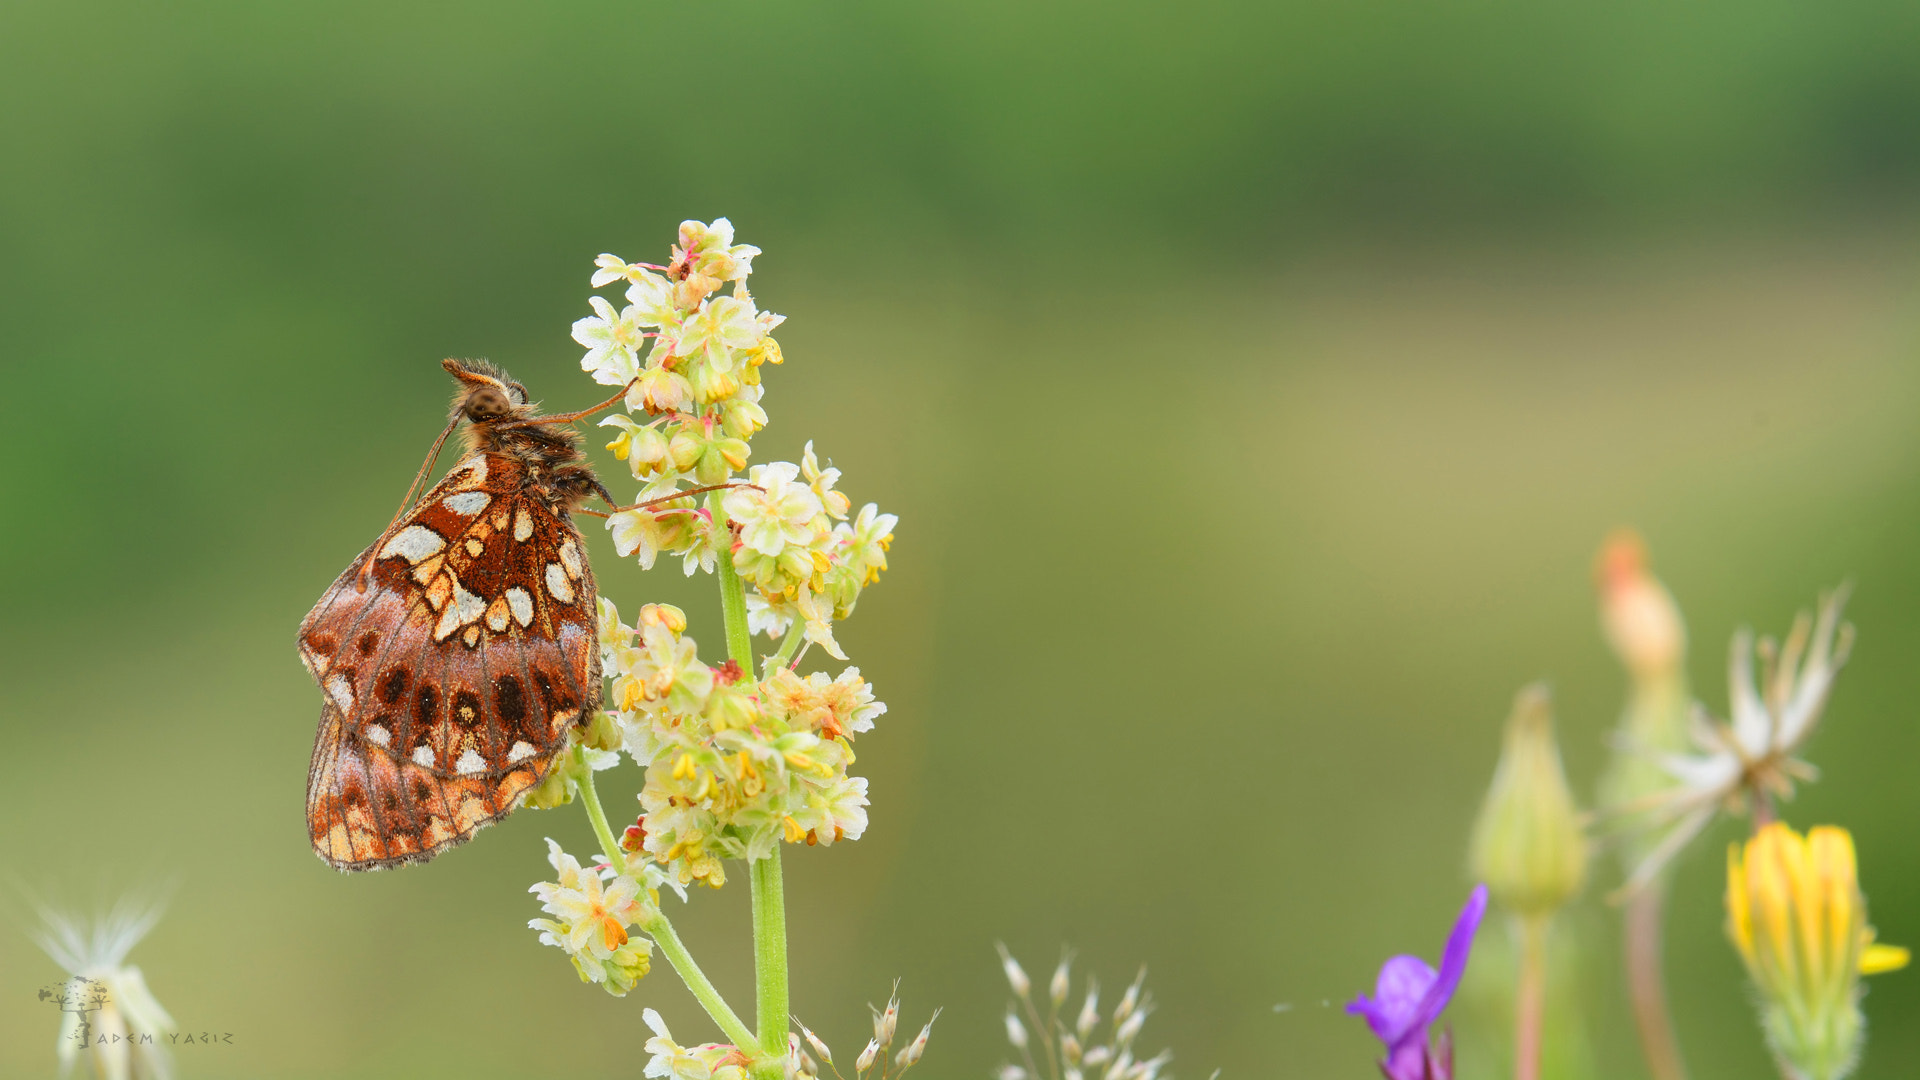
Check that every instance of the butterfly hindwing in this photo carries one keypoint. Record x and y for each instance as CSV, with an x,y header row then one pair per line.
x,y
451,681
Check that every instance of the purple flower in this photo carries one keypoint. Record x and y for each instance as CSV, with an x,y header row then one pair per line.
x,y
1411,995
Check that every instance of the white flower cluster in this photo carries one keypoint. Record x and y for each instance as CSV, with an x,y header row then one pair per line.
x,y
592,908
734,765
737,760
698,392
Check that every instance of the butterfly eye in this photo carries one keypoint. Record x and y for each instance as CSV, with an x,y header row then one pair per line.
x,y
487,403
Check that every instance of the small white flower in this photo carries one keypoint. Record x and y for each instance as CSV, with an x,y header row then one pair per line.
x,y
779,514
612,341
721,325
652,298
769,617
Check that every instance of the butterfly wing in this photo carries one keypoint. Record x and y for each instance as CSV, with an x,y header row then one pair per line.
x,y
451,681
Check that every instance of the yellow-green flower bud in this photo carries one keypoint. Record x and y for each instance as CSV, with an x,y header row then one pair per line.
x,y
1796,913
729,707
556,788
1528,845
601,733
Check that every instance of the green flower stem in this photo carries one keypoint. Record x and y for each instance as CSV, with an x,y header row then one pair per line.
x,y
662,932
769,900
663,935
788,646
1530,998
770,956
609,846
733,596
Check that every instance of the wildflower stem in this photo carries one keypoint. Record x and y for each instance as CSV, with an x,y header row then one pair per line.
x,y
1644,915
1530,998
663,935
770,954
788,645
733,594
598,816
769,899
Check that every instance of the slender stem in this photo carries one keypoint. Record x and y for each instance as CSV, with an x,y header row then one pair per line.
x,y
769,900
733,593
787,646
663,935
609,846
661,930
770,952
1530,998
1646,987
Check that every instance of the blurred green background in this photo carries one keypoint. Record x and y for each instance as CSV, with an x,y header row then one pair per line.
x,y
1254,382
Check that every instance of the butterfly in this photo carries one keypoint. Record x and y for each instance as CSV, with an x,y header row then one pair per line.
x,y
456,651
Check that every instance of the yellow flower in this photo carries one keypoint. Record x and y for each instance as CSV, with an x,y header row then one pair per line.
x,y
1799,920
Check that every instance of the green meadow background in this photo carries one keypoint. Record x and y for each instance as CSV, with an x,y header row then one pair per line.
x,y
1254,383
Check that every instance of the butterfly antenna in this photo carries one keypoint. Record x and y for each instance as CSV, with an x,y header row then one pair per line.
x,y
568,418
419,478
670,498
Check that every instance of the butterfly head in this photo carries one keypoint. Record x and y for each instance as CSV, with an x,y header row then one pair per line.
x,y
485,392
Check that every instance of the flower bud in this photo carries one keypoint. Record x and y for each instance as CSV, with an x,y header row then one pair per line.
x,y
1640,618
685,447
818,1046
1799,920
601,733
1016,976
918,1046
1016,1031
1089,1014
865,1060
885,1022
663,615
1528,845
1057,989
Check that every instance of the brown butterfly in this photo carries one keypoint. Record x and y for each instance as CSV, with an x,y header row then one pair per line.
x,y
456,651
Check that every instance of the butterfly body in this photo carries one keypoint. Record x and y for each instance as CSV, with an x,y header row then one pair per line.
x,y
454,653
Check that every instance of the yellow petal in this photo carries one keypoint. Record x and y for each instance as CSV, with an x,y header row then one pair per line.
x,y
1880,959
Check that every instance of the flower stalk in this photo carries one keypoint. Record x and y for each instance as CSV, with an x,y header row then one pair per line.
x,y
1530,996
1644,629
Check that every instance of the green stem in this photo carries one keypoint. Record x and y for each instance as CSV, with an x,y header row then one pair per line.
x,y
788,646
769,900
609,846
733,594
661,930
663,935
770,953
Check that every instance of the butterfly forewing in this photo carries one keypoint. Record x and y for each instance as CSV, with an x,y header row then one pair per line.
x,y
452,679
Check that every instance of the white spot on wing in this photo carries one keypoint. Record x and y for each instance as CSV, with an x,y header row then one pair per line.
x,y
340,689
413,543
464,609
558,585
378,734
521,751
522,605
470,762
476,467
423,756
467,502
570,558
522,525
